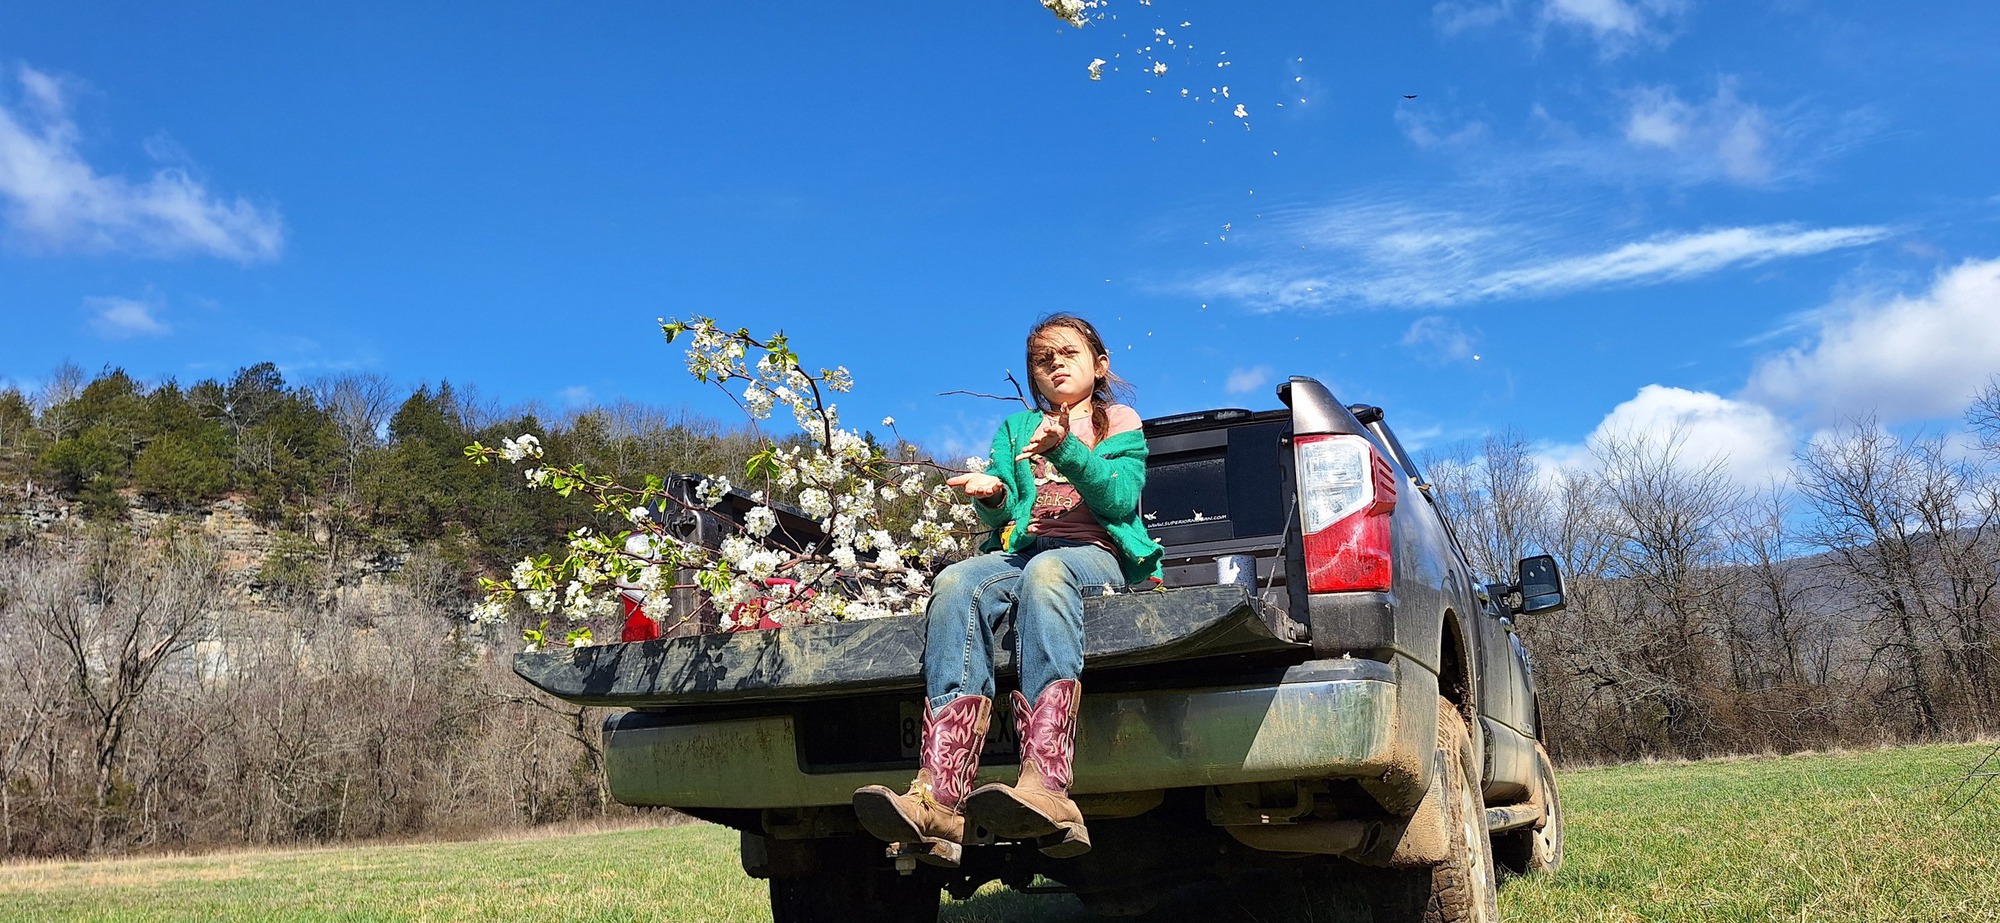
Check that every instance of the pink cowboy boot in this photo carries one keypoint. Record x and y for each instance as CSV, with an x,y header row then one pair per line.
x,y
1037,807
928,820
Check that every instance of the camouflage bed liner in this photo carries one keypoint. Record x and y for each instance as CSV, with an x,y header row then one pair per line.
x,y
881,655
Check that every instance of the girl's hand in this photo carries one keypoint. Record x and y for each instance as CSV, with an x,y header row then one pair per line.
x,y
978,486
1054,429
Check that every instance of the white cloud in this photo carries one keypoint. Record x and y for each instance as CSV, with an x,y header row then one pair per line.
x,y
1614,24
1611,19
1412,256
1247,381
124,318
1898,357
51,199
1674,257
1430,128
1454,18
1438,337
575,396
1752,445
1724,137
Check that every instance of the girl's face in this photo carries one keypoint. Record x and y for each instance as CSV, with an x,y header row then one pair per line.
x,y
1064,369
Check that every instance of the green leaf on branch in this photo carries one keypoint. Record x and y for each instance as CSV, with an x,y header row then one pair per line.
x,y
761,462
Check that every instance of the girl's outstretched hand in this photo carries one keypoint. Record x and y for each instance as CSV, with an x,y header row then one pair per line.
x,y
1054,429
978,486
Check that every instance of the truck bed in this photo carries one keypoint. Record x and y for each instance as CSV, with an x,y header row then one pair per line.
x,y
884,655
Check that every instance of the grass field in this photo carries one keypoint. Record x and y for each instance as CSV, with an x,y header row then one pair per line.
x,y
1876,836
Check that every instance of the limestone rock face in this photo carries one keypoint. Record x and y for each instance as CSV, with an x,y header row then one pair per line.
x,y
246,546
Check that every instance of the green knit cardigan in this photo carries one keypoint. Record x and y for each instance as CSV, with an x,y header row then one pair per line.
x,y
1108,477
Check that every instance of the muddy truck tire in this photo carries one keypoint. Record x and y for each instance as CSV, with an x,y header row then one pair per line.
x,y
1462,888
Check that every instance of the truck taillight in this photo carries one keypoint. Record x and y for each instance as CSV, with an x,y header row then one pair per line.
x,y
638,625
1347,492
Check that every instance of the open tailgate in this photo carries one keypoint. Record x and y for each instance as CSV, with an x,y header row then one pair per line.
x,y
878,655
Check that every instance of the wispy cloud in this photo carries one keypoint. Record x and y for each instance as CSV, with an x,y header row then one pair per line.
x,y
1669,257
1615,25
1723,137
1615,20
1386,254
1440,338
52,200
1247,381
125,318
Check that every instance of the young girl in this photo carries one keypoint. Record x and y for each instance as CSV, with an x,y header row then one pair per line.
x,y
1062,498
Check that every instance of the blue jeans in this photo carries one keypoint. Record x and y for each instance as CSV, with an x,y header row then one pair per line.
x,y
1039,590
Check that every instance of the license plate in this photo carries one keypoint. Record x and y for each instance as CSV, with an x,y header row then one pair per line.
x,y
1001,743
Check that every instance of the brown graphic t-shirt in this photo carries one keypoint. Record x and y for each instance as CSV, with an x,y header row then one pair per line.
x,y
1059,512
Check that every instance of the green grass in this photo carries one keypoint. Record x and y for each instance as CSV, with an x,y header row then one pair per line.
x,y
1874,836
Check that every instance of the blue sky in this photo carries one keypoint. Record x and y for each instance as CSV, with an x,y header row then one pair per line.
x,y
1755,219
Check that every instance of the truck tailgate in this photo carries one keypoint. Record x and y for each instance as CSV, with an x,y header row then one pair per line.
x,y
878,655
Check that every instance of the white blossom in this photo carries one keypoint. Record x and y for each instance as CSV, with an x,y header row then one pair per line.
x,y
757,400
527,446
711,490
489,612
1074,12
815,502
760,521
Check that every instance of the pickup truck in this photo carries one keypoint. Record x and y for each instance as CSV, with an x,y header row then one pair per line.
x,y
1322,684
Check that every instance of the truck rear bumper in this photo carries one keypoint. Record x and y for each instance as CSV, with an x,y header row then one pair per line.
x,y
1325,719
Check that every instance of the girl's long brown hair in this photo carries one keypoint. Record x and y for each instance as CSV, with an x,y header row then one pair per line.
x,y
1101,390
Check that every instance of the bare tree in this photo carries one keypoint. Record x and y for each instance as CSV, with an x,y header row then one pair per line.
x,y
1497,501
1984,416
1864,484
1669,526
360,404
52,405
116,616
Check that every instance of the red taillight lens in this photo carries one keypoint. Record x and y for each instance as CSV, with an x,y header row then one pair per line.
x,y
638,625
1346,494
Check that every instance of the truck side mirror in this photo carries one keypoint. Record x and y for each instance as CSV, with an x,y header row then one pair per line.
x,y
1540,584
